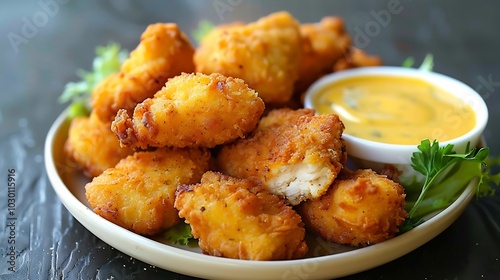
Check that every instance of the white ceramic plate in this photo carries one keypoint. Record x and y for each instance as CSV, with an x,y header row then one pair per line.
x,y
325,260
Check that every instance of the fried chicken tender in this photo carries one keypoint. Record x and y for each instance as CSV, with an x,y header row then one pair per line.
x,y
295,156
279,117
93,146
323,43
164,52
356,58
139,192
360,208
238,218
266,54
192,110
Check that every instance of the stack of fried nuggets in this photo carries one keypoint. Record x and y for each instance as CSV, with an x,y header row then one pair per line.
x,y
193,142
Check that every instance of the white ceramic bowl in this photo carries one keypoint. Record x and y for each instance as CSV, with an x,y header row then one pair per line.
x,y
375,155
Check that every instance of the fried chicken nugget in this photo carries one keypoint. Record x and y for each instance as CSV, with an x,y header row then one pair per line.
x,y
237,218
266,54
356,58
297,159
323,43
279,117
139,192
360,208
164,52
93,146
192,110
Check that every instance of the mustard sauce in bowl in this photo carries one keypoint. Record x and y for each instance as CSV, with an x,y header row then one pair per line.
x,y
395,109
387,111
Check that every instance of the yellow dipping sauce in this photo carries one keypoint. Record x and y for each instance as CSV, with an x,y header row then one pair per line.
x,y
395,110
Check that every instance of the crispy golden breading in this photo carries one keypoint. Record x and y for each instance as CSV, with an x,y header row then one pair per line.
x,y
360,208
237,218
192,110
297,160
266,54
93,146
164,52
356,58
138,194
323,43
279,117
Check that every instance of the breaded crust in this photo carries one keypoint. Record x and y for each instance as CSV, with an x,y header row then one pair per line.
x,y
93,146
164,52
280,117
192,110
266,54
359,209
138,194
297,159
356,58
323,43
237,218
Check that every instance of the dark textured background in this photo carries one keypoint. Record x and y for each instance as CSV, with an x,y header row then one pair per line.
x,y
462,35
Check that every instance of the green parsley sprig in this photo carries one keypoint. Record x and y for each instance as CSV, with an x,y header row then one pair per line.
x,y
447,174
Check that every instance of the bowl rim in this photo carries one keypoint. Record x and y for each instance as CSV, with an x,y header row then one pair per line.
x,y
401,153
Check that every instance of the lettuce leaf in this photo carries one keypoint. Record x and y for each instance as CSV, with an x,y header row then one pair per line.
x,y
179,234
108,60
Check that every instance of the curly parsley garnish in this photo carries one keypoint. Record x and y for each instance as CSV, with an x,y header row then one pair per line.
x,y
447,174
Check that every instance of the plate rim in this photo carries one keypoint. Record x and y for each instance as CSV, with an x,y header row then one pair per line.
x,y
181,261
